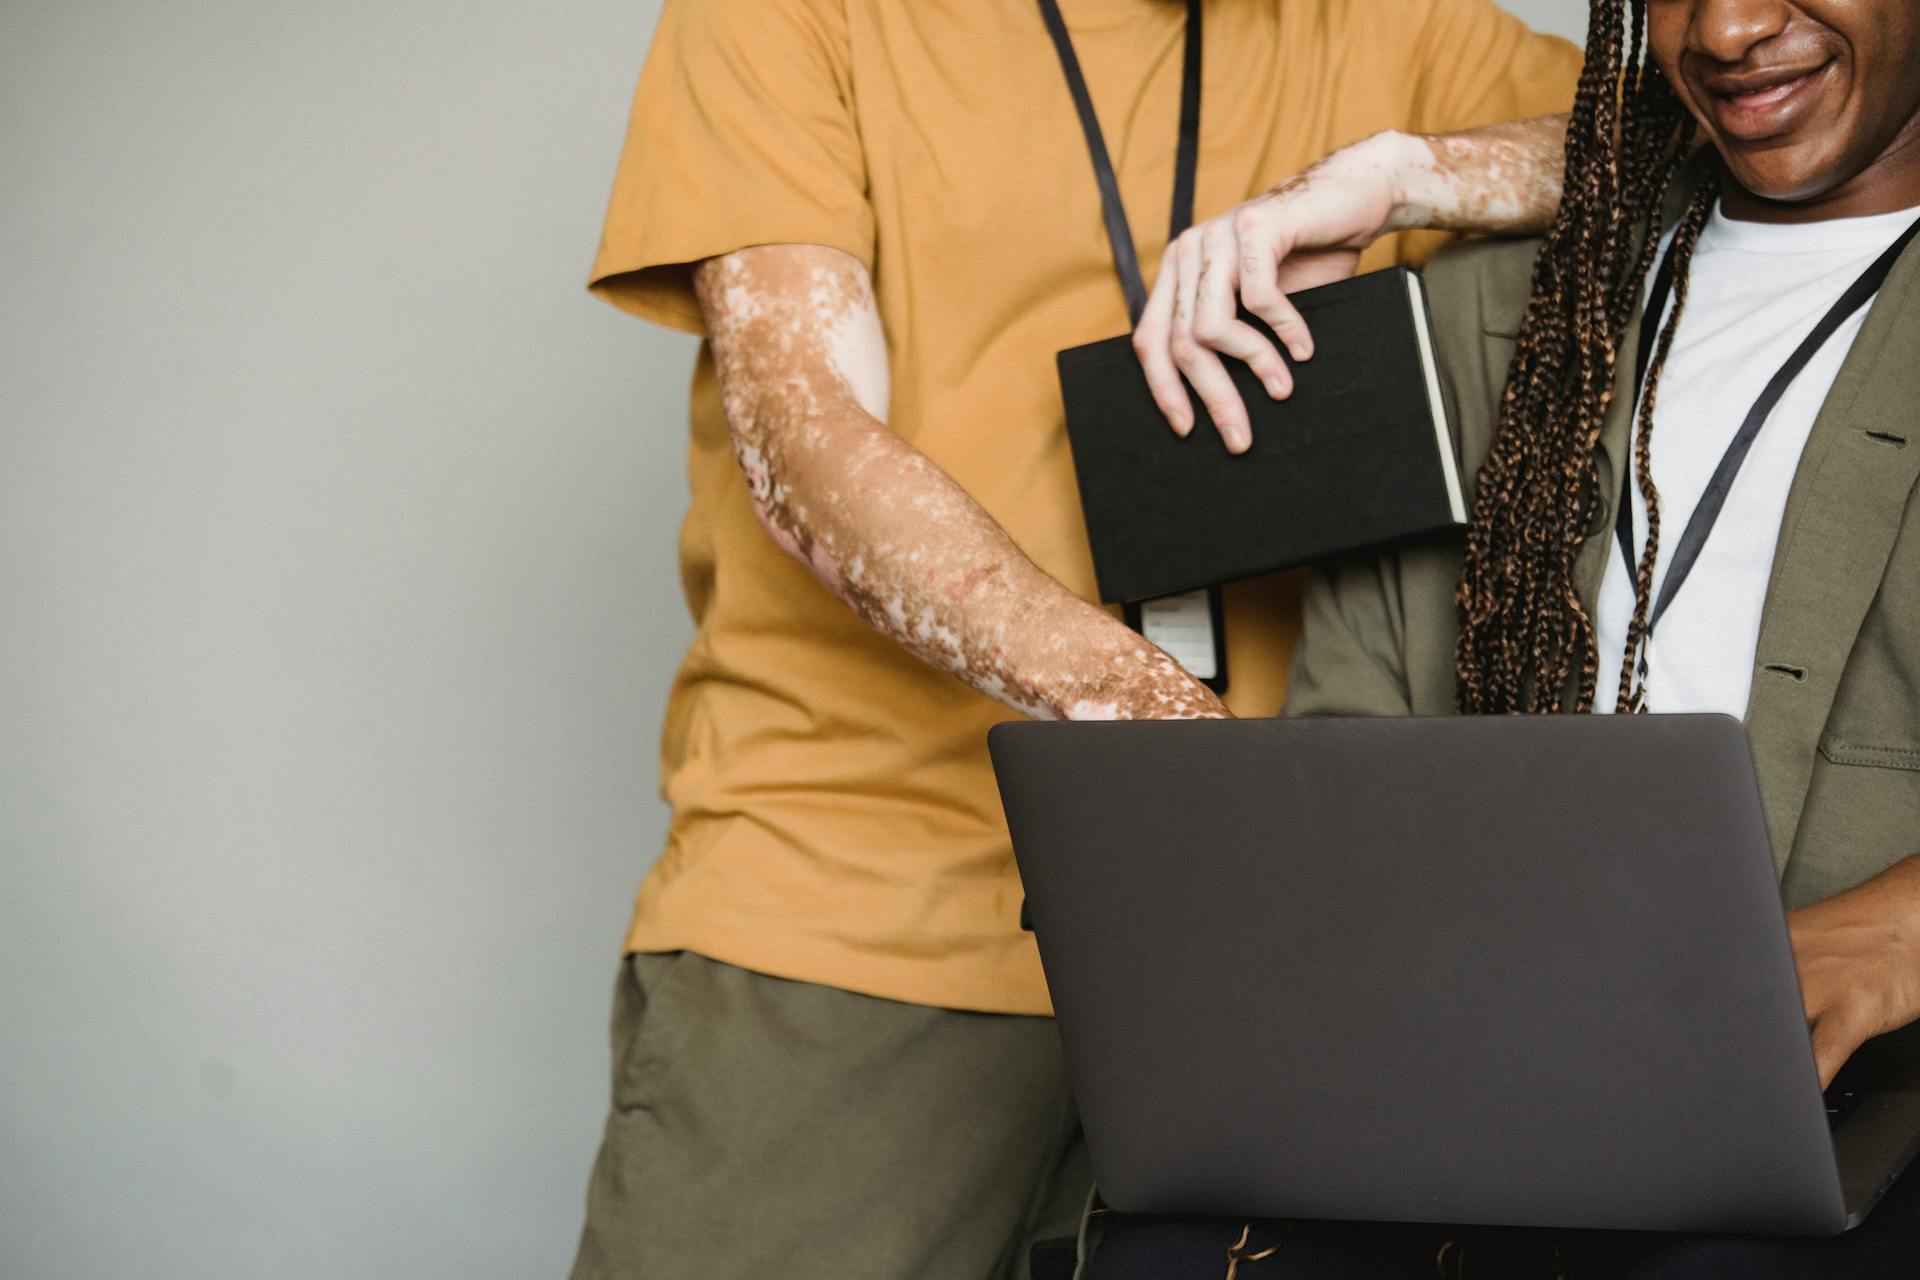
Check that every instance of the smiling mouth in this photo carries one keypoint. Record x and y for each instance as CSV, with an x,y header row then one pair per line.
x,y
1758,107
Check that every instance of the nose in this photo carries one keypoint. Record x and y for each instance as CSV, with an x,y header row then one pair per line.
x,y
1727,30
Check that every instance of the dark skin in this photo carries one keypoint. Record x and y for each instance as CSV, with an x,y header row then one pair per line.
x,y
1814,106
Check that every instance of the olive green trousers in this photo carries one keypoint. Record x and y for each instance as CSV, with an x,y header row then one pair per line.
x,y
766,1128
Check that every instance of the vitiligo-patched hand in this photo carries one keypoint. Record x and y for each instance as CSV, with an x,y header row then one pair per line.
x,y
1310,230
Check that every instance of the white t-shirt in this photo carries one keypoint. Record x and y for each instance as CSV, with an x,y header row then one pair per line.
x,y
1755,291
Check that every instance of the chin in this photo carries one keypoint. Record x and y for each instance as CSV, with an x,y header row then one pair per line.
x,y
1785,175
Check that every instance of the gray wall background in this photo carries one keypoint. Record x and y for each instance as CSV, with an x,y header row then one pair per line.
x,y
337,608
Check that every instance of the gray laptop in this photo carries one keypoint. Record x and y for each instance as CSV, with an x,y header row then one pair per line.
x,y
1528,971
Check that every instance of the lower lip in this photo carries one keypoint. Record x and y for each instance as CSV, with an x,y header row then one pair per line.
x,y
1768,112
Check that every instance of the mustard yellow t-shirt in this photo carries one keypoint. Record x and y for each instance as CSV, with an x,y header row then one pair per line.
x,y
834,814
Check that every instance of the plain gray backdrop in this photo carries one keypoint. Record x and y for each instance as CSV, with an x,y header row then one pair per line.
x,y
337,608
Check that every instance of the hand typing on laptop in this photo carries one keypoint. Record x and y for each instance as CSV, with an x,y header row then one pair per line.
x,y
1858,954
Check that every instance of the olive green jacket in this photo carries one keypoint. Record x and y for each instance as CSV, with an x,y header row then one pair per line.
x,y
1834,715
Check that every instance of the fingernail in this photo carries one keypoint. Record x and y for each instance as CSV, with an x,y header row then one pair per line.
x,y
1242,439
1301,350
1276,388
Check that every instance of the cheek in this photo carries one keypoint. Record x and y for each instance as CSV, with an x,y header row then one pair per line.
x,y
1893,93
1667,37
1694,106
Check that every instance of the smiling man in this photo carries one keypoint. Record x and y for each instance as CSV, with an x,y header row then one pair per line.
x,y
1738,533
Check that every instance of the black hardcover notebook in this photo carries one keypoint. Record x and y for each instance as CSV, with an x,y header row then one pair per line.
x,y
1361,453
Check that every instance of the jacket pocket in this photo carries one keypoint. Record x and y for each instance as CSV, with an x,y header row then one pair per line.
x,y
1838,750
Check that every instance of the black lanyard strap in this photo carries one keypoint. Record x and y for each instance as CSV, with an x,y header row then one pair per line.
x,y
1186,160
1126,259
1714,497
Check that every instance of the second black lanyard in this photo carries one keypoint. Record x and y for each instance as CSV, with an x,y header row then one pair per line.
x,y
1714,497
1190,625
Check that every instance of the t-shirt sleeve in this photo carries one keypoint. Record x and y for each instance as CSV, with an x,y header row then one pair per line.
x,y
742,134
1479,64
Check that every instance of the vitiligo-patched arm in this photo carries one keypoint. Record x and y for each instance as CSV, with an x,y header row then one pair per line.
x,y
803,374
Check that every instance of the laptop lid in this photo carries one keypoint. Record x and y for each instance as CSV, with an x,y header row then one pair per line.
x,y
1530,971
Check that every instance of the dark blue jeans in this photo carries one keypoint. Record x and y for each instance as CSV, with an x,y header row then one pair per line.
x,y
1885,1247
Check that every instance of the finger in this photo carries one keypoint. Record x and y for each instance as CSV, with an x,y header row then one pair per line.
x,y
1217,325
1202,367
1217,392
1185,255
1261,250
1834,1040
1150,338
1216,303
1243,342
